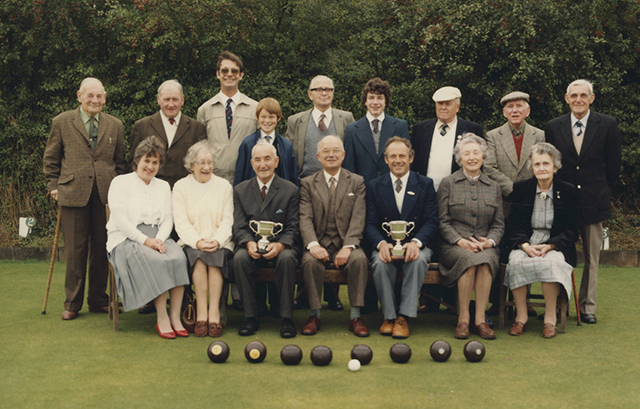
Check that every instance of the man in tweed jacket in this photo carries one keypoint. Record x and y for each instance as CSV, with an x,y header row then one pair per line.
x,y
85,151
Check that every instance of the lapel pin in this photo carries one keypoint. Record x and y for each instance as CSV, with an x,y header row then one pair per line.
x,y
410,193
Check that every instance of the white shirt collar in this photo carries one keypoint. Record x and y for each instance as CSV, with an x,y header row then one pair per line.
x,y
268,184
272,136
371,118
327,176
328,114
166,120
583,120
453,125
404,179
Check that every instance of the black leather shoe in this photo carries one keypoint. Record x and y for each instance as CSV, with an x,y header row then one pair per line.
x,y
588,318
147,308
336,305
249,327
287,329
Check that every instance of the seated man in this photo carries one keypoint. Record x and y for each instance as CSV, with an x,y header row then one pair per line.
x,y
266,197
331,226
400,195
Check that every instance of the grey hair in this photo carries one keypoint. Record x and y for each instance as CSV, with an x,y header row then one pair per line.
x,y
545,148
169,83
320,77
87,80
151,146
330,136
580,82
194,150
469,137
263,142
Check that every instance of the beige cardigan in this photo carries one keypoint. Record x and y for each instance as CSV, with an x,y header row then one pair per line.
x,y
203,216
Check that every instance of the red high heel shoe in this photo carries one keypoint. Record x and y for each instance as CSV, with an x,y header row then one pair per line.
x,y
181,332
165,335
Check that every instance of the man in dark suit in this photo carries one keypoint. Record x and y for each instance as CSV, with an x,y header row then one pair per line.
x,y
433,141
177,131
364,138
85,150
400,195
331,226
267,197
591,158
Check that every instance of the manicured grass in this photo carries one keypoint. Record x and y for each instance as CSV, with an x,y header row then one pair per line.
x,y
49,363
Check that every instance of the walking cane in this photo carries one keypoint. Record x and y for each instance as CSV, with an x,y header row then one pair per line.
x,y
54,250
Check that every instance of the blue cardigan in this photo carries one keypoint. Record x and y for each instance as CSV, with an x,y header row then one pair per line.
x,y
287,167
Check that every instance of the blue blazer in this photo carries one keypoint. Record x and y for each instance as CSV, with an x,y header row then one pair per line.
x,y
420,206
360,150
422,134
287,168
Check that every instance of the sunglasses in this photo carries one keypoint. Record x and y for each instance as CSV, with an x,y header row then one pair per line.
x,y
225,71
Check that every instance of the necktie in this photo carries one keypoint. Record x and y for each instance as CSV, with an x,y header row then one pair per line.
x,y
268,138
332,185
172,121
93,132
263,192
321,125
398,185
578,125
375,123
443,131
229,114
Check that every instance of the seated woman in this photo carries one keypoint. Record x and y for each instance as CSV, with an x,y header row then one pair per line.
x,y
543,229
471,226
146,262
203,214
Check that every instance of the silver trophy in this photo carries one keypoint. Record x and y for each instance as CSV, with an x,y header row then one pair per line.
x,y
398,230
265,229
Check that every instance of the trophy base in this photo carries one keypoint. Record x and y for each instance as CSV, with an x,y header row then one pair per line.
x,y
397,255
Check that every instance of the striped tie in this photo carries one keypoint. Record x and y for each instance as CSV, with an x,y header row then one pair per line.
x,y
229,115
579,126
443,131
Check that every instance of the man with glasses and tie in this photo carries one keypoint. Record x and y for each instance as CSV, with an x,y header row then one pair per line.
x,y
591,158
433,141
84,152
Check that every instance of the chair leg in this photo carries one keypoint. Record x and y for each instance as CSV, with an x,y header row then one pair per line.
x,y
575,297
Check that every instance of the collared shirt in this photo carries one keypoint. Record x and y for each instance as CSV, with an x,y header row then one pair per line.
x,y
263,136
169,129
327,176
400,199
471,178
577,140
268,184
517,132
441,154
235,100
85,118
328,116
370,118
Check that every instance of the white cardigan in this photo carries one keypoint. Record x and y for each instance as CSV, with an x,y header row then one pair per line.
x,y
203,211
131,202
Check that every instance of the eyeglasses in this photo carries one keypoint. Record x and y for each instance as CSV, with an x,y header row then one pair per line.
x,y
335,151
204,162
225,71
321,90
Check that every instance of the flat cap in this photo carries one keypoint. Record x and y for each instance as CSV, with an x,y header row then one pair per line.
x,y
446,94
515,96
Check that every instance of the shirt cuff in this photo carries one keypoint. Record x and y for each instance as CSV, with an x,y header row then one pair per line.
x,y
418,242
312,244
494,243
378,246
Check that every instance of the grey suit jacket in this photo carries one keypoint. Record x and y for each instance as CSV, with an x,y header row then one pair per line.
x,y
502,164
189,132
349,207
71,164
297,129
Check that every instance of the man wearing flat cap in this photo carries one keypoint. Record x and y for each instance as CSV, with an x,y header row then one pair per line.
x,y
509,144
433,141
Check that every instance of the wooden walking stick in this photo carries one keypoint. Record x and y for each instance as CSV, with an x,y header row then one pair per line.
x,y
54,250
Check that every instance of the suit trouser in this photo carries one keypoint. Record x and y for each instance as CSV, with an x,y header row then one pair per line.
x,y
357,269
384,276
85,234
592,243
245,268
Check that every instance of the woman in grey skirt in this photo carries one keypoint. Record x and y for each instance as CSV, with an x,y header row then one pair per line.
x,y
203,214
146,262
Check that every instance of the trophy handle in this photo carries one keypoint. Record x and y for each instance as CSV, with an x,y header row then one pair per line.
x,y
275,226
409,230
386,226
257,229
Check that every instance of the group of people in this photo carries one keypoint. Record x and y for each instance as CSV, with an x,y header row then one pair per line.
x,y
442,193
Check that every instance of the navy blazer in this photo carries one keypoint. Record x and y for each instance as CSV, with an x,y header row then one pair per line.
x,y
564,230
420,206
596,169
287,168
421,136
360,150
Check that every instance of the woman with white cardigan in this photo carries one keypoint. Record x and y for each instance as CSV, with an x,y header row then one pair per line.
x,y
203,214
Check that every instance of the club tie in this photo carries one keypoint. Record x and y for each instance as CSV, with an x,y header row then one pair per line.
x,y
443,130
332,185
268,138
578,125
172,121
93,132
229,115
321,125
375,123
398,185
263,192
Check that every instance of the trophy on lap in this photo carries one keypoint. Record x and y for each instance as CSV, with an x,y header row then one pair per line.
x,y
398,230
265,229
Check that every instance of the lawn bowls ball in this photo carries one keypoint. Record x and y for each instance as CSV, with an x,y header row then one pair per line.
x,y
255,352
474,351
440,351
218,352
291,355
354,365
321,355
362,353
400,353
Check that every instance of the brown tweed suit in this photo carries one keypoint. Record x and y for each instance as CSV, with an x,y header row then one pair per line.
x,y
82,177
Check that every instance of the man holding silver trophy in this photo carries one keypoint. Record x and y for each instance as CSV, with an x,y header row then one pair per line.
x,y
266,228
401,208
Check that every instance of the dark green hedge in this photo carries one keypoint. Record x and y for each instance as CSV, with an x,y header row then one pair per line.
x,y
486,48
